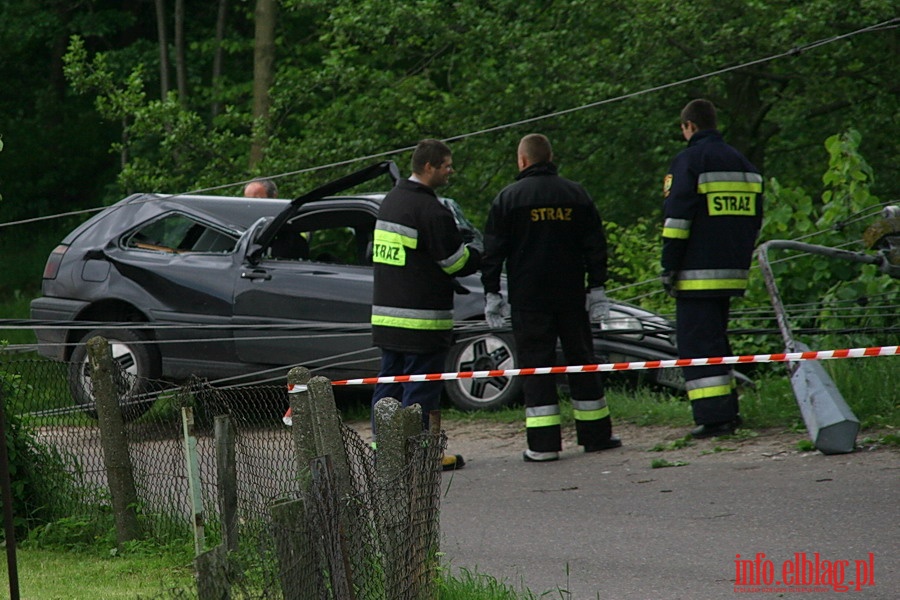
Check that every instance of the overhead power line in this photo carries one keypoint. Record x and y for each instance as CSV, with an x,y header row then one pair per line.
x,y
794,51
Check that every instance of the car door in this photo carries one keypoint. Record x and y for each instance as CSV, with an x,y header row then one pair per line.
x,y
176,268
314,310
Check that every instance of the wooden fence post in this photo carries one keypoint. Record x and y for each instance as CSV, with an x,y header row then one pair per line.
x,y
226,475
116,459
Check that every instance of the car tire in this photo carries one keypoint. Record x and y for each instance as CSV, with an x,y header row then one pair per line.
x,y
139,360
483,353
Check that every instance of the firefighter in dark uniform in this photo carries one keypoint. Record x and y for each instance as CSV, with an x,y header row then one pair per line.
x,y
713,212
417,250
549,234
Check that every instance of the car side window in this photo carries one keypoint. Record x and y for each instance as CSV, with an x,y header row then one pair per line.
x,y
337,237
179,233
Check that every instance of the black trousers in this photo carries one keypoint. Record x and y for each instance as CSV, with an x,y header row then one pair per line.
x,y
701,327
536,335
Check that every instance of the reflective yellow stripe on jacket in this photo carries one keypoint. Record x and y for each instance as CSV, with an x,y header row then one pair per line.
x,y
679,229
411,318
730,193
455,261
390,242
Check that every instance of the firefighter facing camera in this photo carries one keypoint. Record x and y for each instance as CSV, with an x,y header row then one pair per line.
x,y
713,211
548,233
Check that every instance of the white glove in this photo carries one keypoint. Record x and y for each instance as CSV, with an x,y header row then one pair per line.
x,y
598,304
496,310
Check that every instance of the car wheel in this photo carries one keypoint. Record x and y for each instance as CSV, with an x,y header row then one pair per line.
x,y
138,361
484,353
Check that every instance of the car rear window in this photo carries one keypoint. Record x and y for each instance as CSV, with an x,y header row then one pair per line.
x,y
179,233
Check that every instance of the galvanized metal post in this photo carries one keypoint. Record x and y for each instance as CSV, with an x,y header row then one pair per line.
x,y
193,471
831,424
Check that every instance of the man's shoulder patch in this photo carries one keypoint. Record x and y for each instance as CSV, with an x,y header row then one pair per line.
x,y
667,185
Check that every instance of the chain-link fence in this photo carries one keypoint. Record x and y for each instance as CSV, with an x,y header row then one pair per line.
x,y
343,525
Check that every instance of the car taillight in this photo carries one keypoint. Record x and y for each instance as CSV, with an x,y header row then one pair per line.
x,y
51,269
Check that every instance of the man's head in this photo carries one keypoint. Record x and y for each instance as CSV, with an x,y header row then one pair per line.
x,y
534,148
432,163
261,188
697,115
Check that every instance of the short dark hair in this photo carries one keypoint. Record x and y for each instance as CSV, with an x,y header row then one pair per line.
x,y
268,184
536,148
429,152
701,113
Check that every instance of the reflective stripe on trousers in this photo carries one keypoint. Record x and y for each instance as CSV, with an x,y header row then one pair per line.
x,y
542,416
590,410
710,387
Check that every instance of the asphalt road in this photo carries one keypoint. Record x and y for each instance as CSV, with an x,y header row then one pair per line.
x,y
610,526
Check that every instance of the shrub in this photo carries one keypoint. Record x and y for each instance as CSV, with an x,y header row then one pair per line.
x,y
40,482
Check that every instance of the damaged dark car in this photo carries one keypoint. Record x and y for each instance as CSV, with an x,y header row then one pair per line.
x,y
234,289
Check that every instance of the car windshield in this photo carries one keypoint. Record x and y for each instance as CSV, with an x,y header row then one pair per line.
x,y
469,232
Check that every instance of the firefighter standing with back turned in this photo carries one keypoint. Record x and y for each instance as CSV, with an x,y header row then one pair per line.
x,y
713,212
548,232
417,251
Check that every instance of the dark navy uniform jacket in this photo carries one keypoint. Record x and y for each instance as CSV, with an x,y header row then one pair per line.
x,y
713,212
548,231
416,251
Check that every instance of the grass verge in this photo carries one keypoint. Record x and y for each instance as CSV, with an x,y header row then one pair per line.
x,y
870,386
54,574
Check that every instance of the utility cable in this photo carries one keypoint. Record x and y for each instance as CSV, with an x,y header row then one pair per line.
x,y
795,51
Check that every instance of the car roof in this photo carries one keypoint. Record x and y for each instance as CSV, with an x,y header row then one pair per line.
x,y
243,212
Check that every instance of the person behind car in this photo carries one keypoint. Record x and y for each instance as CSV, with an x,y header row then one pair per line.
x,y
713,212
286,245
417,251
548,232
260,188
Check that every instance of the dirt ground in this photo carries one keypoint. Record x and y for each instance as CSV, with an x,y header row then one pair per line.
x,y
481,439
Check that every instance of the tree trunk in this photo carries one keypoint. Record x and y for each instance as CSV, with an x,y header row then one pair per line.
x,y
180,64
163,48
747,110
217,57
263,74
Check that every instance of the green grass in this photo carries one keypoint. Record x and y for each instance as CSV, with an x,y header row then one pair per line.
x,y
53,574
56,574
469,585
870,386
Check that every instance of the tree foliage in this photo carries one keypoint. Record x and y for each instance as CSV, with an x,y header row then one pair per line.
x,y
352,79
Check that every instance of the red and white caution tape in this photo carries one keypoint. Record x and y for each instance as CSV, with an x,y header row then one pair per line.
x,y
634,366
621,366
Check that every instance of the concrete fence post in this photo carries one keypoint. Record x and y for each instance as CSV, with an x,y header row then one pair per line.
x,y
395,426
